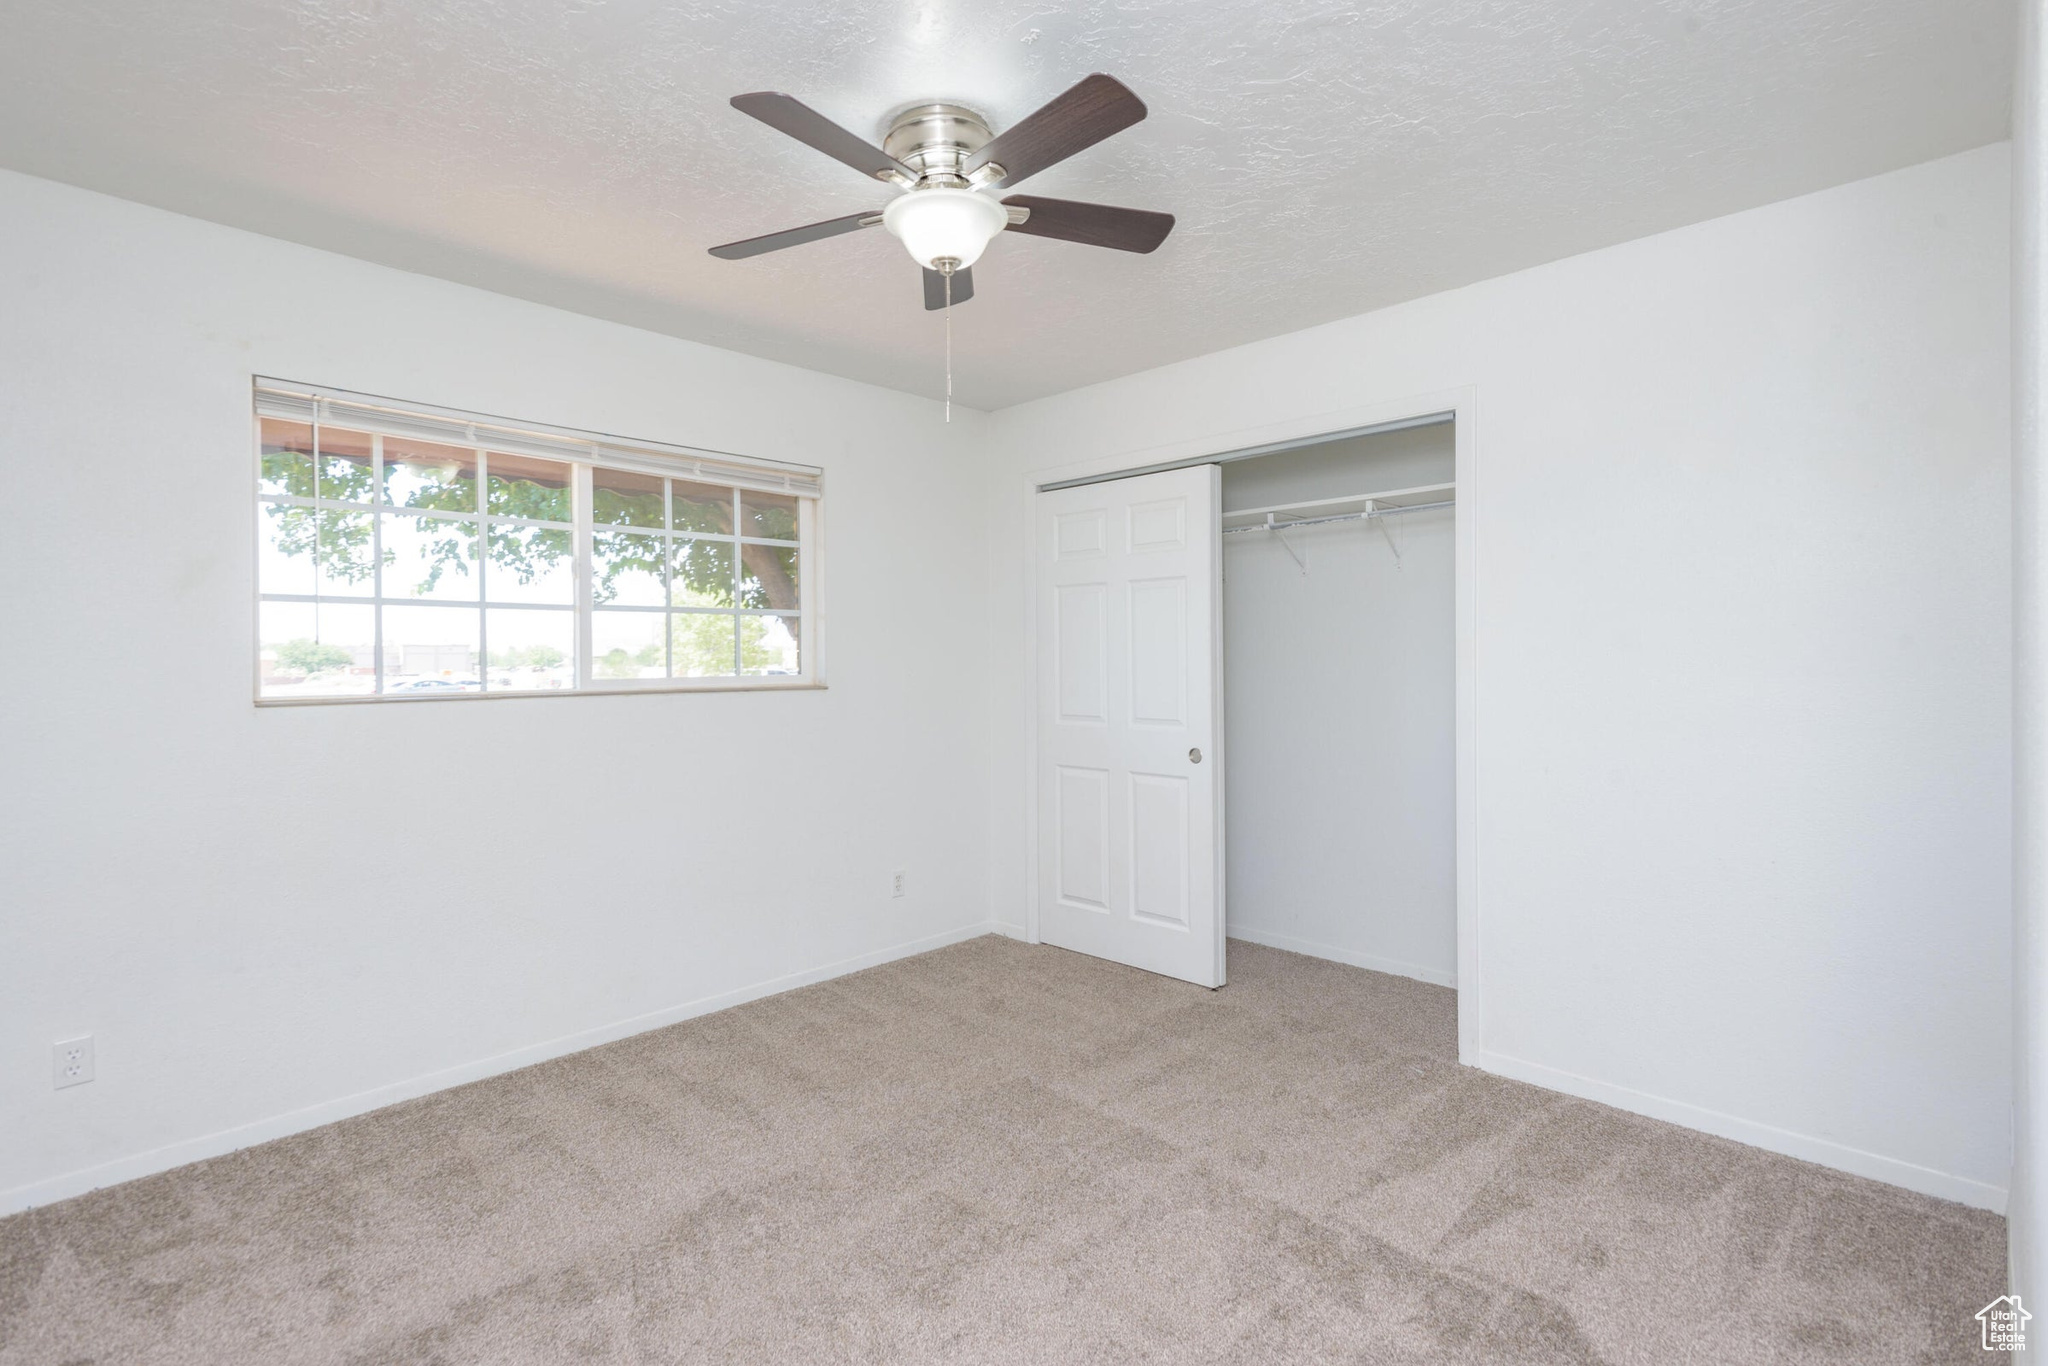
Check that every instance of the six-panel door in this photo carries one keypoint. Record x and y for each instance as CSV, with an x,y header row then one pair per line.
x,y
1129,762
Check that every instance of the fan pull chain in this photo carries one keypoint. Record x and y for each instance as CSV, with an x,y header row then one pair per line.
x,y
949,345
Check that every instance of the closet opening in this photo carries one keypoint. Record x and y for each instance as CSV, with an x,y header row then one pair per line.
x,y
1339,663
1253,705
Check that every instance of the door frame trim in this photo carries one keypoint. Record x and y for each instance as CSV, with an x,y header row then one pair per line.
x,y
1459,406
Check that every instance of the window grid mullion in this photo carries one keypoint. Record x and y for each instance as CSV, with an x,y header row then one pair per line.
x,y
317,547
668,569
737,571
483,559
377,562
330,504
582,512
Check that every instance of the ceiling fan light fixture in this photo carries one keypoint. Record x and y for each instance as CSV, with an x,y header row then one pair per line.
x,y
939,224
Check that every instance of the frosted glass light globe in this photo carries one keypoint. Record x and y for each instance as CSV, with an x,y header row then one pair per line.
x,y
938,223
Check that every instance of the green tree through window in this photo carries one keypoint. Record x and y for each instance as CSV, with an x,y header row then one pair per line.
x,y
310,656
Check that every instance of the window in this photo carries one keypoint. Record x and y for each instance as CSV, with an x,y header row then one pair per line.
x,y
406,552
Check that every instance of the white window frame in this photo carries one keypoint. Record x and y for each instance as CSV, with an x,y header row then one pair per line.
x,y
584,452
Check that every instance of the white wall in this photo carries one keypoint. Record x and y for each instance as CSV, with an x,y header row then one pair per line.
x,y
1739,504
255,912
2028,1222
1338,713
1742,593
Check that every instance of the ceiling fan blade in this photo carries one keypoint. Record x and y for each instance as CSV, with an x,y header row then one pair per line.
x,y
1083,116
1097,225
807,125
935,287
795,237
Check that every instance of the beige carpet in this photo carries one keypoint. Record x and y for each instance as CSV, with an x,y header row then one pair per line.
x,y
996,1153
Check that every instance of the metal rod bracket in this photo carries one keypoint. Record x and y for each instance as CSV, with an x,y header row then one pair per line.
x,y
1285,544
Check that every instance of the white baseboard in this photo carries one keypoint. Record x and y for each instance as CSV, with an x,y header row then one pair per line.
x,y
1007,930
1253,935
1827,1153
225,1141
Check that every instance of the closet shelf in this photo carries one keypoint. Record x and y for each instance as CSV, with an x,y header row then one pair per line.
x,y
1331,509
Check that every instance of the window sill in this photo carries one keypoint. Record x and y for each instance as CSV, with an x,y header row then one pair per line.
x,y
709,685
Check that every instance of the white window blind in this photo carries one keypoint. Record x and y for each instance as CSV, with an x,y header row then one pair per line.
x,y
387,417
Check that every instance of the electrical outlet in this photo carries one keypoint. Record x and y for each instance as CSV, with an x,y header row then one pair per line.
x,y
71,1062
896,883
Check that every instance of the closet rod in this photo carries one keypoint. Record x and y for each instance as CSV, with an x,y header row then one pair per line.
x,y
1339,517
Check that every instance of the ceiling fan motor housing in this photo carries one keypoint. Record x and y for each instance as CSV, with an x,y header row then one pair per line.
x,y
935,140
950,166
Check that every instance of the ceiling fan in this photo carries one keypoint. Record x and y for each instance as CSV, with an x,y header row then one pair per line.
x,y
947,163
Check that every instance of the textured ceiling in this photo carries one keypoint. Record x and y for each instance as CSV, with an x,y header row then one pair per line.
x,y
1324,157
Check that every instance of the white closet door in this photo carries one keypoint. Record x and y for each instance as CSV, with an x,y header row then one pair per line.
x,y
1130,762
